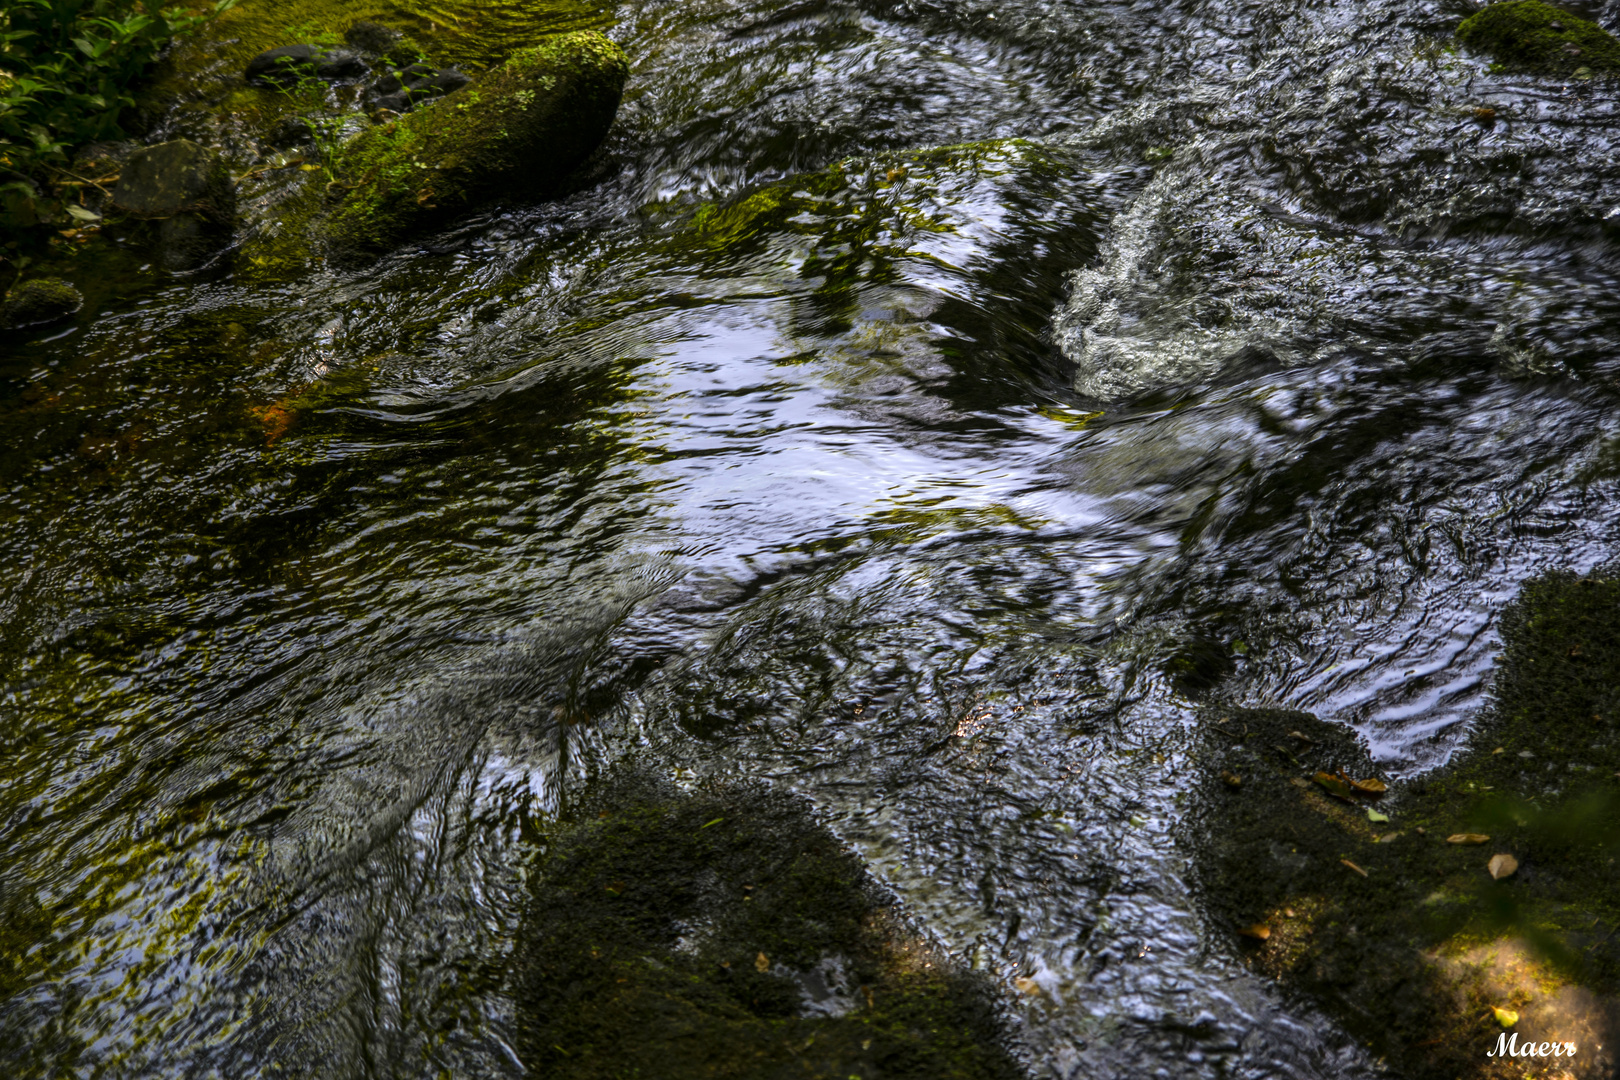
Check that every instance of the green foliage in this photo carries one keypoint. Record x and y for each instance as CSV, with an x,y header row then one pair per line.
x,y
66,67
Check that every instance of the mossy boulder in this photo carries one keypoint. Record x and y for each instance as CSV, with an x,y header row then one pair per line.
x,y
1368,904
1527,35
725,934
518,131
39,303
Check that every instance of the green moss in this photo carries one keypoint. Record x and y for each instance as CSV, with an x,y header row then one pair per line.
x,y
473,34
1385,951
674,936
40,301
520,129
1527,35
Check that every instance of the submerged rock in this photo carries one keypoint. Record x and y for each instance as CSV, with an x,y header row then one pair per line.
x,y
519,130
1394,910
39,303
186,190
1528,35
398,90
288,65
726,934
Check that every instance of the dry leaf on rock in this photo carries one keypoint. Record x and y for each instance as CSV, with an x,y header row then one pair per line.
x,y
1468,838
1502,866
1334,784
1259,931
1354,867
761,964
1370,787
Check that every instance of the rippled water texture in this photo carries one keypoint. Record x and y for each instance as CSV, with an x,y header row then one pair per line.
x,y
911,388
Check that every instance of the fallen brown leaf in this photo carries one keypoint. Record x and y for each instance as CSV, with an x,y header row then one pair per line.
x,y
1259,931
1354,867
1232,779
1502,866
1334,784
761,964
1370,787
1468,838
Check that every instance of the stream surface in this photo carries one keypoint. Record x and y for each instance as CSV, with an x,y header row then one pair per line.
x,y
924,406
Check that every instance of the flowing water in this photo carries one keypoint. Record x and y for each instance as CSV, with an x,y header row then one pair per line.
x,y
925,406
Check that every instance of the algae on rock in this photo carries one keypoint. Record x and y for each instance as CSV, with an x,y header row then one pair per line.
x,y
1528,35
519,130
1414,955
724,934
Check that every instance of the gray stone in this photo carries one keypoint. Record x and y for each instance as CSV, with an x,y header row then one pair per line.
x,y
39,303
175,177
188,190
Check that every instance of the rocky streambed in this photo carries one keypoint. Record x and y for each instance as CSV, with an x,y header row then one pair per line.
x,y
877,540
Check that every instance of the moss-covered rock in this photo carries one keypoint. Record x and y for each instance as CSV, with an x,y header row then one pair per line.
x,y
1527,35
39,303
724,934
1362,900
519,130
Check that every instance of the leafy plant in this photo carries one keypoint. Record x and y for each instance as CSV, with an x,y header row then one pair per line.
x,y
66,68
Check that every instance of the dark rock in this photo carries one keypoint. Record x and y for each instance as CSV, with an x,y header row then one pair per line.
x,y
286,66
188,189
290,132
176,177
370,37
398,90
97,159
39,303
19,206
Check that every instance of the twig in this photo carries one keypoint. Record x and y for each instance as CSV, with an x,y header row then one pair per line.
x,y
85,180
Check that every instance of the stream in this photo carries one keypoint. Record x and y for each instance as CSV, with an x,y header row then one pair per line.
x,y
927,407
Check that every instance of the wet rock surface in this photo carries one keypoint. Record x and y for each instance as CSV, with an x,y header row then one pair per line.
x,y
186,191
1385,907
724,933
174,178
284,67
399,90
39,303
